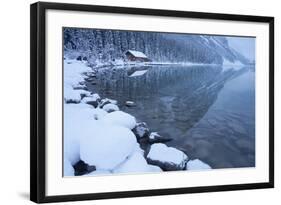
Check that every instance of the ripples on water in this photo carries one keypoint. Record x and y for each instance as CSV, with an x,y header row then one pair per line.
x,y
210,114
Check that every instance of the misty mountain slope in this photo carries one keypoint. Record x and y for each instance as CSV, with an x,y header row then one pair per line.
x,y
103,46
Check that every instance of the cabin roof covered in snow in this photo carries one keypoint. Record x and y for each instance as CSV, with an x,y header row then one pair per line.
x,y
137,54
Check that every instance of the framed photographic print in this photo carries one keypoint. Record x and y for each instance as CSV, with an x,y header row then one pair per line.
x,y
129,102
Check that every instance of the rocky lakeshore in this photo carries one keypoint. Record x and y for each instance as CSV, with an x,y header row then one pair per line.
x,y
99,138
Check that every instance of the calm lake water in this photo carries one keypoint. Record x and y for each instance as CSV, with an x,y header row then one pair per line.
x,y
210,114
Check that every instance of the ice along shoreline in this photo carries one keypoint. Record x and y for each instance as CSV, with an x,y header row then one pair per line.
x,y
99,139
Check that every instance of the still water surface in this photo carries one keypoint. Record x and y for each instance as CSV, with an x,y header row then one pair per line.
x,y
210,114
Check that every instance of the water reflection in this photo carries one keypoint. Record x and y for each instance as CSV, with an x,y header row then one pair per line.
x,y
208,113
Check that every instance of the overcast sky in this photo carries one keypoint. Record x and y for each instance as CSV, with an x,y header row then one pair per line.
x,y
244,45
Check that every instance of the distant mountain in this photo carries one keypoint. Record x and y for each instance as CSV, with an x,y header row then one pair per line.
x,y
100,46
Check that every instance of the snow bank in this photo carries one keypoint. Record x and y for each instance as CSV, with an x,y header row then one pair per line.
x,y
106,146
73,77
74,96
73,72
121,119
167,158
196,164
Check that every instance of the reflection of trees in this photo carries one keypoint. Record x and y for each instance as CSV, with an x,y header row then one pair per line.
x,y
177,94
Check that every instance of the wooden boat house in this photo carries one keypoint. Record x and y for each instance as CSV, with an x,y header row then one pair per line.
x,y
137,56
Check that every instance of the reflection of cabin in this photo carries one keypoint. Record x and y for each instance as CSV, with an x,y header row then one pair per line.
x,y
132,55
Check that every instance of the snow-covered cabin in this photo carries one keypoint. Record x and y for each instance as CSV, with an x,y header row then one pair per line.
x,y
132,55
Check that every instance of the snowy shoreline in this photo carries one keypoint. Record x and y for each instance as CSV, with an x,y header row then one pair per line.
x,y
99,139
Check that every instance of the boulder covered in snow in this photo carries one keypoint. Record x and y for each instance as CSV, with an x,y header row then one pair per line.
x,y
98,113
121,119
76,117
135,163
154,137
107,101
110,107
130,103
196,164
105,145
168,158
74,96
153,168
93,100
141,130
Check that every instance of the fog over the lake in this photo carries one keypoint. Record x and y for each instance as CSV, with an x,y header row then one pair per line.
x,y
244,45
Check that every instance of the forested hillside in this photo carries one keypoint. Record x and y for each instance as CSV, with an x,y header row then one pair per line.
x,y
104,46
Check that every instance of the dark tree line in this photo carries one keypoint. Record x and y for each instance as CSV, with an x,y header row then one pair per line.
x,y
109,45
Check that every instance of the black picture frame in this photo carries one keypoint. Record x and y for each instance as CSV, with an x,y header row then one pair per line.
x,y
38,101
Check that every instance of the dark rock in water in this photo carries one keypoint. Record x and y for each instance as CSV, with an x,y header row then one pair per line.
x,y
154,137
79,58
130,104
141,130
85,58
167,158
165,166
81,168
93,82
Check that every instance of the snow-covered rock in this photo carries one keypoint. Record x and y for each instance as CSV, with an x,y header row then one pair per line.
x,y
120,118
154,137
136,163
74,96
93,100
141,130
107,101
99,113
168,158
68,169
106,146
73,72
196,164
130,103
110,107
76,116
153,168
